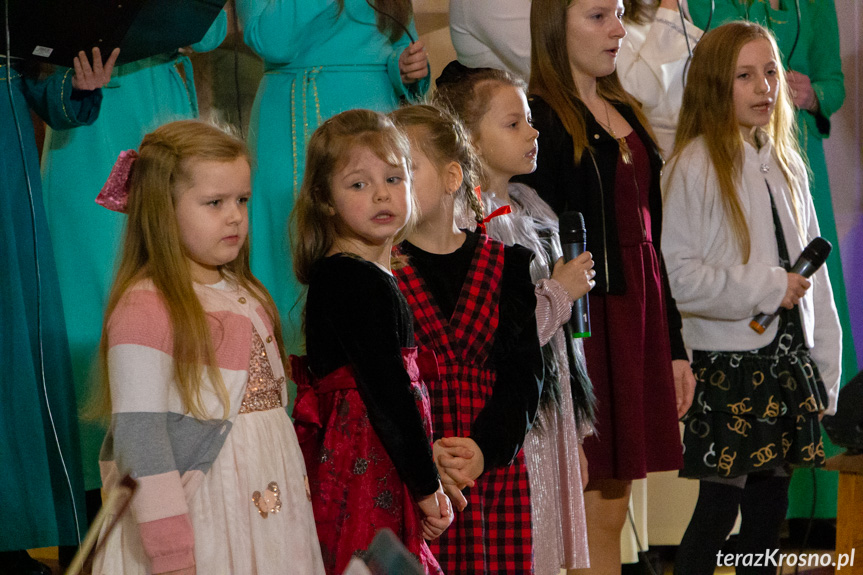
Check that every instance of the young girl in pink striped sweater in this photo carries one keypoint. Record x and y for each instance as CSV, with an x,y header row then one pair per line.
x,y
194,373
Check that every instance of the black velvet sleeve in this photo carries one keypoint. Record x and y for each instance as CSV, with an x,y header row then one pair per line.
x,y
501,426
355,314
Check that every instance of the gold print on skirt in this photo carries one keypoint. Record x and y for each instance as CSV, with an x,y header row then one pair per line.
x,y
699,428
819,451
810,404
740,407
765,455
809,452
786,443
741,426
757,378
726,460
787,380
718,380
772,408
268,501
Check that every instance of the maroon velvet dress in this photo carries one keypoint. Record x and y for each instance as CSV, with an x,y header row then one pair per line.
x,y
629,354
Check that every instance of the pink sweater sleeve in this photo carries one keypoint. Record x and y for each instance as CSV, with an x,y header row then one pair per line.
x,y
169,542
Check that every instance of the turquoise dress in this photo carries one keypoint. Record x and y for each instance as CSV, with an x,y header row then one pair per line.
x,y
817,56
36,492
140,97
318,63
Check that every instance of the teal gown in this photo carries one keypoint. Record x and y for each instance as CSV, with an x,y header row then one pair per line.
x,y
140,97
36,492
817,56
317,63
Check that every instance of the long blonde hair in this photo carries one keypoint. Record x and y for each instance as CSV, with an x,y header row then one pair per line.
x,y
551,75
313,226
443,140
708,111
152,249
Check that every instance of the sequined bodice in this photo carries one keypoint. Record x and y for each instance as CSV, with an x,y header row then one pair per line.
x,y
263,391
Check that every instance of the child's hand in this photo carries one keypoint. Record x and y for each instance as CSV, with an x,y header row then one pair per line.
x,y
93,78
450,485
461,459
797,286
684,385
437,513
413,63
576,276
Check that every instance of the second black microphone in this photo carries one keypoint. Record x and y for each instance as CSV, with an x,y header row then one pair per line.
x,y
573,242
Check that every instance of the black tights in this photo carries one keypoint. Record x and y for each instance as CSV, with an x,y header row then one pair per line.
x,y
763,502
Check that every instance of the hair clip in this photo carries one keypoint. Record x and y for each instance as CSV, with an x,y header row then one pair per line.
x,y
115,192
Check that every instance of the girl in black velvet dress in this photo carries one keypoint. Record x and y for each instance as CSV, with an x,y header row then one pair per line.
x,y
362,411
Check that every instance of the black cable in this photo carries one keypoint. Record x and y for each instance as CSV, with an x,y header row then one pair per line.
x,y
710,17
393,18
38,294
811,518
796,34
688,45
236,48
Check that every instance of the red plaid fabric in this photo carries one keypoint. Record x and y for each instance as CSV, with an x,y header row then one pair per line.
x,y
493,535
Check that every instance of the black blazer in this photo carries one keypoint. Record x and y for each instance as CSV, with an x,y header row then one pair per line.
x,y
589,188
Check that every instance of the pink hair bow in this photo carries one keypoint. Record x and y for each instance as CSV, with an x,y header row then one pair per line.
x,y
115,192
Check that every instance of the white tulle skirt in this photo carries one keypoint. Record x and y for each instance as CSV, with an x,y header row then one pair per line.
x,y
259,462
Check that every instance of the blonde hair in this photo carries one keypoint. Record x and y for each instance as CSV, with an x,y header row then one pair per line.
x,y
152,249
551,75
445,140
708,111
313,227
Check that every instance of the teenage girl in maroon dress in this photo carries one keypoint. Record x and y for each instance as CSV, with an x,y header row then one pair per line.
x,y
362,411
473,304
598,158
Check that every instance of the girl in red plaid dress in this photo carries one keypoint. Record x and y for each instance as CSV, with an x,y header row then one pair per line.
x,y
362,410
474,305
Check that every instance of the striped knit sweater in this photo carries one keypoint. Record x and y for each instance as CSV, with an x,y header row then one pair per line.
x,y
167,450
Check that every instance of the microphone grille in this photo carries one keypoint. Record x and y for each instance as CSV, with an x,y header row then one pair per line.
x,y
571,221
817,251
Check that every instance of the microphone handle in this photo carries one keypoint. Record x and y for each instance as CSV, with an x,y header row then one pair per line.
x,y
579,321
762,321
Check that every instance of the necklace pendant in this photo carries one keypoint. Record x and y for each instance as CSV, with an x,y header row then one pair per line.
x,y
765,168
625,152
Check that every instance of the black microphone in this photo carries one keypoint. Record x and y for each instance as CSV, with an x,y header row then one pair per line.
x,y
810,260
573,242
